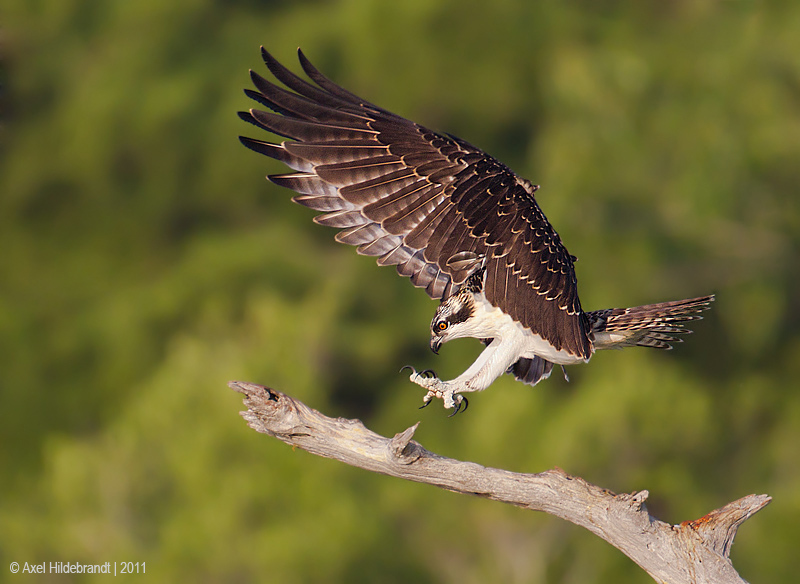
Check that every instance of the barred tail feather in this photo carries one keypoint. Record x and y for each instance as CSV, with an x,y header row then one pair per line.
x,y
652,325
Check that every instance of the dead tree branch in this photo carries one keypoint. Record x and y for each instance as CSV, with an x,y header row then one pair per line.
x,y
693,552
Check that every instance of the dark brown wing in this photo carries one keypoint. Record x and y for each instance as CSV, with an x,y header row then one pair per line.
x,y
433,205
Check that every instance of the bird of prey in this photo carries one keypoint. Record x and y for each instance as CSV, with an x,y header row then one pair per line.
x,y
453,219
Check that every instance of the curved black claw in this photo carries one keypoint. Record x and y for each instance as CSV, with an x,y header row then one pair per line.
x,y
465,402
428,373
404,367
425,405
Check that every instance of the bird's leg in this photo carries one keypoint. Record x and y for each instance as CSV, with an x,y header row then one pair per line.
x,y
490,365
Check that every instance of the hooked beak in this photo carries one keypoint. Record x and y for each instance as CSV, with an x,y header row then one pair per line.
x,y
436,342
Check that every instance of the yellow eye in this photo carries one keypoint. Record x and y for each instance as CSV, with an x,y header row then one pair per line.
x,y
441,325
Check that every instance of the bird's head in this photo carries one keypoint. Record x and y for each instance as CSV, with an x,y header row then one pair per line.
x,y
452,319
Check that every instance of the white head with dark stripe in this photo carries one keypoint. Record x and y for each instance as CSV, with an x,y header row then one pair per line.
x,y
453,319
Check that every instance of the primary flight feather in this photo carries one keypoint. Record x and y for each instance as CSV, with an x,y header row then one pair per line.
x,y
454,220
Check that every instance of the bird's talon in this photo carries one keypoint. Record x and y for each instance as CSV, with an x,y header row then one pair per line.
x,y
426,401
462,401
439,389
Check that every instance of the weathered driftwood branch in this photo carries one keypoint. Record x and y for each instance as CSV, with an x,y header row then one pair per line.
x,y
693,552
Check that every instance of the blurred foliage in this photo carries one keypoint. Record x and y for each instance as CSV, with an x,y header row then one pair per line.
x,y
145,262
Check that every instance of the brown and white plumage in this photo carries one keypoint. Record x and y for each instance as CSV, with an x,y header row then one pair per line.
x,y
439,209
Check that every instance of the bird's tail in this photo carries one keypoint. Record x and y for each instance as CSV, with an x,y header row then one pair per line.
x,y
652,325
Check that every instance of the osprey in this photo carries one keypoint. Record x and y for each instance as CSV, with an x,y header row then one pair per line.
x,y
457,222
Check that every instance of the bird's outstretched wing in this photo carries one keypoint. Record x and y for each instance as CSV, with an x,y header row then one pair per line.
x,y
433,205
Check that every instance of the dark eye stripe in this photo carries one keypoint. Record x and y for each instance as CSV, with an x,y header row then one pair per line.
x,y
462,314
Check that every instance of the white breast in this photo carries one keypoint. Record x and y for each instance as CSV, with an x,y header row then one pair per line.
x,y
491,322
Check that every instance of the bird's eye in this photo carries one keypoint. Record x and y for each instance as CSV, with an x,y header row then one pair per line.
x,y
441,325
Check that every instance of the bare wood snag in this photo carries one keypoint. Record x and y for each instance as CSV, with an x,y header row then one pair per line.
x,y
693,552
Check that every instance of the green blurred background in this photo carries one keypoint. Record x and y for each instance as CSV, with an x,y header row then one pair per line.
x,y
145,262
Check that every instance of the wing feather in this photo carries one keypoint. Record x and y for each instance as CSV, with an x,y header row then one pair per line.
x,y
324,203
385,208
422,233
335,151
363,235
362,171
305,184
342,219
